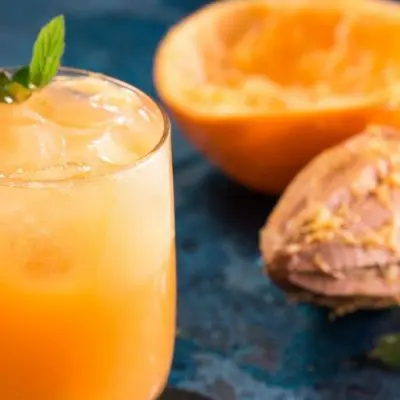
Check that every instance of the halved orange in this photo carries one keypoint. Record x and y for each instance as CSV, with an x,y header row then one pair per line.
x,y
262,86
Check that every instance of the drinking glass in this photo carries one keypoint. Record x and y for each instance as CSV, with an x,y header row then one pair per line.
x,y
87,271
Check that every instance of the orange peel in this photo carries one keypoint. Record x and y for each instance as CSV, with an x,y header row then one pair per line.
x,y
260,87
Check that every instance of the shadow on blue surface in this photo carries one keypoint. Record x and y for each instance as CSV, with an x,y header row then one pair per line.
x,y
237,331
178,394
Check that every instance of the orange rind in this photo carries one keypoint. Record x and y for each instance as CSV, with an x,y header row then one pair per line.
x,y
260,87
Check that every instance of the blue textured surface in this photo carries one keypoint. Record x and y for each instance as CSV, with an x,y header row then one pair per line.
x,y
238,338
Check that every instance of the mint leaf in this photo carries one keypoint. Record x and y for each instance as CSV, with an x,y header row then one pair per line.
x,y
18,92
47,52
4,78
21,76
46,58
387,350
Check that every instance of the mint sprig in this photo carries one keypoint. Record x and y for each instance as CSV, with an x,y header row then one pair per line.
x,y
45,62
21,76
387,350
47,52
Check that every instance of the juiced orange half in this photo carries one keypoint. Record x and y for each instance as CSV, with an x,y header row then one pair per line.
x,y
262,86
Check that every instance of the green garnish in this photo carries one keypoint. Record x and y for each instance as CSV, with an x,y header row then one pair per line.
x,y
387,350
46,59
47,52
21,76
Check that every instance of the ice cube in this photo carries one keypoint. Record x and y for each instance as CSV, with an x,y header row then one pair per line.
x,y
76,122
31,146
117,100
115,147
71,103
131,136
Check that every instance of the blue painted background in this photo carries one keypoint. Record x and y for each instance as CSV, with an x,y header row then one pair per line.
x,y
238,337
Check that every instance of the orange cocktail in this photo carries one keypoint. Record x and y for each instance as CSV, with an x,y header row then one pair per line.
x,y
87,266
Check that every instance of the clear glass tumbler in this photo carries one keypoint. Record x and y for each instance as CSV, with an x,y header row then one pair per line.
x,y
87,270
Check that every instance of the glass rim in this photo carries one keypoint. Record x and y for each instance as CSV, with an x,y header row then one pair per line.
x,y
155,149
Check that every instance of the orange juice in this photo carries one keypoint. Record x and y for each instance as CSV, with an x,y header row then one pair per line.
x,y
87,270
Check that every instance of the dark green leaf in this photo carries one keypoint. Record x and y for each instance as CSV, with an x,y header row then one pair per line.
x,y
18,92
4,79
47,52
4,82
388,350
21,76
5,97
